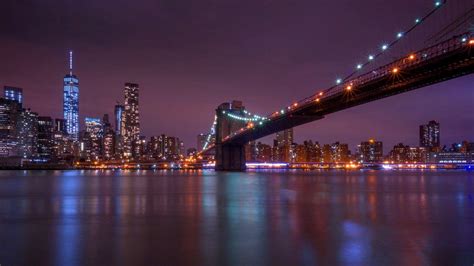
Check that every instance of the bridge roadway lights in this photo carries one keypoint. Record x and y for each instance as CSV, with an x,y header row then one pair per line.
x,y
230,157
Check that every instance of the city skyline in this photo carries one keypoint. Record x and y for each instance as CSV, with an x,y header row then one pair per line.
x,y
169,88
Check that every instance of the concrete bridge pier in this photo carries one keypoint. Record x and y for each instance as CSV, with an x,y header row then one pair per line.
x,y
230,157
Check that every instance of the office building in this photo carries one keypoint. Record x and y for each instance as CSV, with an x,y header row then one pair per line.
x,y
371,151
430,136
130,129
14,94
92,138
27,134
118,112
71,102
45,140
9,115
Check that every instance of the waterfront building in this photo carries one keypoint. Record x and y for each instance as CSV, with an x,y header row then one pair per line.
x,y
130,129
340,152
418,155
371,151
283,144
92,138
9,115
27,134
264,152
399,153
45,140
108,139
430,136
327,154
165,148
71,102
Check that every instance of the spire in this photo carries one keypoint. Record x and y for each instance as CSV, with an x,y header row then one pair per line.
x,y
70,62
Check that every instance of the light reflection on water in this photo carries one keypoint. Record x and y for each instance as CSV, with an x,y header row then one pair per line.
x,y
253,218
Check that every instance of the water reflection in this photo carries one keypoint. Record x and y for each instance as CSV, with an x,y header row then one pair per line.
x,y
255,218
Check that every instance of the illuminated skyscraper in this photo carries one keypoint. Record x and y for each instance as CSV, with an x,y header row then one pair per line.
x,y
119,108
130,130
14,94
10,112
71,102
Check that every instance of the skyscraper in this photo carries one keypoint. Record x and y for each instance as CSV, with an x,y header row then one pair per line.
x,y
27,134
130,131
92,137
430,136
119,108
13,93
283,143
71,102
9,116
45,140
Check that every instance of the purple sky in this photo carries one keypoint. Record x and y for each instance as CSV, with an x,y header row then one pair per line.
x,y
189,56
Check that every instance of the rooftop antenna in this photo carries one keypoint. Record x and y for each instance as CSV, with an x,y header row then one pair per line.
x,y
70,62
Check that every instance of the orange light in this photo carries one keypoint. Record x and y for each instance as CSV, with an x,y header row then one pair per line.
x,y
321,94
471,42
317,99
395,70
349,87
295,104
411,57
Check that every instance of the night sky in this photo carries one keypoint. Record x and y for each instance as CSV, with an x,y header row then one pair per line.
x,y
190,56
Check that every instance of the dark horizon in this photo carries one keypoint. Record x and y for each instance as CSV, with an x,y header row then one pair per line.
x,y
189,57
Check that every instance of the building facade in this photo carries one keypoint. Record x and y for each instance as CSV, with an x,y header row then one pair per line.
x,y
71,102
430,136
371,151
13,93
130,129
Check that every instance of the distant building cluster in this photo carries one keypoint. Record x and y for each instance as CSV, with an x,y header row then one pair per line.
x,y
27,138
284,149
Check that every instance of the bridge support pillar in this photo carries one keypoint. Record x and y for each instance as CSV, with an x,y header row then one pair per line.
x,y
230,157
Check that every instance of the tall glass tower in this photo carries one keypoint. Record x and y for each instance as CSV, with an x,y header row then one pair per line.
x,y
71,102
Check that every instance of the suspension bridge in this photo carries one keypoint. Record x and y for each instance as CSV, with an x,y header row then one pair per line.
x,y
450,54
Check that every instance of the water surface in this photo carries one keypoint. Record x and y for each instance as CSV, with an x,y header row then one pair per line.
x,y
254,218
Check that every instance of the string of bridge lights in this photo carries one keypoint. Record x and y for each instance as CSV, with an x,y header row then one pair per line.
x,y
212,132
384,47
250,118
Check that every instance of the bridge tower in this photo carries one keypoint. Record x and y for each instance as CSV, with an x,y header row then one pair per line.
x,y
229,157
